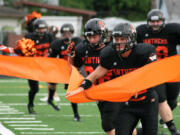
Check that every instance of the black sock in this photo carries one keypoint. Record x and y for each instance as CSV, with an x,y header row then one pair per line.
x,y
51,94
31,96
171,126
75,107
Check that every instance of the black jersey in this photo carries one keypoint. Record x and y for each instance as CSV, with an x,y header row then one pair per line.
x,y
141,55
58,48
41,44
88,57
165,41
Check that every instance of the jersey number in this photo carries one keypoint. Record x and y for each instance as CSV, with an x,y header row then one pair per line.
x,y
162,52
90,69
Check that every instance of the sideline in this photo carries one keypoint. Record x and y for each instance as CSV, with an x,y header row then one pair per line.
x,y
5,131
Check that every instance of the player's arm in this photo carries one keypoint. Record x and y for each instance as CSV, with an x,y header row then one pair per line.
x,y
139,36
89,80
53,52
176,28
71,60
75,55
6,49
152,56
71,52
98,73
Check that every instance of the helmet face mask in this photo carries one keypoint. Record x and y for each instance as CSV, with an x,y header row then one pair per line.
x,y
40,27
121,43
94,40
156,25
124,37
95,28
155,20
66,36
41,31
67,31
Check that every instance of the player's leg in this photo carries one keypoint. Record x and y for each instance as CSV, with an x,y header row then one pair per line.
x,y
74,108
56,97
149,115
172,90
34,88
126,121
165,110
137,131
75,112
52,90
109,112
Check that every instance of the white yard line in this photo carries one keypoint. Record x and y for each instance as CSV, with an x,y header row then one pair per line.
x,y
28,125
27,115
25,104
12,80
44,129
17,118
12,113
26,94
22,121
8,109
5,131
4,106
62,104
61,133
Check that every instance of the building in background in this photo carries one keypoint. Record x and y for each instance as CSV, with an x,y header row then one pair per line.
x,y
11,21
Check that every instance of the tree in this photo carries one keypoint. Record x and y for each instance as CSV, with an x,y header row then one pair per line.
x,y
129,9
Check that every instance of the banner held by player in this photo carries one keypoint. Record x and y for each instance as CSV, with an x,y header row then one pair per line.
x,y
122,88
36,68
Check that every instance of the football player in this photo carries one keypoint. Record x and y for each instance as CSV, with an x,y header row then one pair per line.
x,y
87,55
53,30
59,49
165,38
122,56
42,39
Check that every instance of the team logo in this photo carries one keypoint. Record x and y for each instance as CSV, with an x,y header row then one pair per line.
x,y
132,28
102,25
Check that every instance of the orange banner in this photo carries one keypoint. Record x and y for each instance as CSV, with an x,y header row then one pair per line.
x,y
36,68
122,88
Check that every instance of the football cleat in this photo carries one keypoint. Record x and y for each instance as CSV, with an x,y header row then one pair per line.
x,y
31,109
174,131
77,118
53,104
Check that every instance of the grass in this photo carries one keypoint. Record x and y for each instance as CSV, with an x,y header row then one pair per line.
x,y
13,92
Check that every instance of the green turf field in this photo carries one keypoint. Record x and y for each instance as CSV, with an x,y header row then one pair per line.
x,y
14,116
